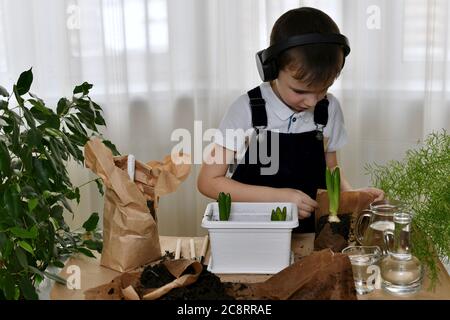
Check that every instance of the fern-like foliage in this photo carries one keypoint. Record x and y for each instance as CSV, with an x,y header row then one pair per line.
x,y
422,181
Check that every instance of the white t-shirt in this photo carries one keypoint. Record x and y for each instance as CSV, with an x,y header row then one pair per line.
x,y
280,118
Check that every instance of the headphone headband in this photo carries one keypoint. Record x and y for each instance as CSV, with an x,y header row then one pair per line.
x,y
304,39
266,59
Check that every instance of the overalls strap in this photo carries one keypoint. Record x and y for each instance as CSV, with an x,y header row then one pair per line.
x,y
321,117
321,112
258,108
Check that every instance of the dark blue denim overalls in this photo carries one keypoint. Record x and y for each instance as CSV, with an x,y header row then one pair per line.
x,y
301,156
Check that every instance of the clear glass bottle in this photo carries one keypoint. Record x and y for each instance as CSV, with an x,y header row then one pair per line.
x,y
401,272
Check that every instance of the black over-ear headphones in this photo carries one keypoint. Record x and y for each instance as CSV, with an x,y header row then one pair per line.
x,y
266,60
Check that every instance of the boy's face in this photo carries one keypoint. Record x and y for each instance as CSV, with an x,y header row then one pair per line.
x,y
295,94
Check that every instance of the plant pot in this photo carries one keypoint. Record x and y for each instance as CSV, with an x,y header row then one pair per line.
x,y
249,242
333,235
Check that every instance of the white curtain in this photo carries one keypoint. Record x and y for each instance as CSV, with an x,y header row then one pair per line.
x,y
158,65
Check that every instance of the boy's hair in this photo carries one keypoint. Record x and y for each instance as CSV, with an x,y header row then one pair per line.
x,y
314,64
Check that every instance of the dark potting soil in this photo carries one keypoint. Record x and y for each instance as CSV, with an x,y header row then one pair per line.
x,y
156,276
342,228
333,235
207,287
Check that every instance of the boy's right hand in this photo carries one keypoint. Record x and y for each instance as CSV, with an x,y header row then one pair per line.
x,y
304,203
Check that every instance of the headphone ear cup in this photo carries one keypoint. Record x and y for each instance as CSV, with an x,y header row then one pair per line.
x,y
271,70
267,71
260,65
343,63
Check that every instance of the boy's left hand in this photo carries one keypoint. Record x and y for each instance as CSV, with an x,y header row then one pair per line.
x,y
378,194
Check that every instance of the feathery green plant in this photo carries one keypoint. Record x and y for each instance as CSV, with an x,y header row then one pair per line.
x,y
422,181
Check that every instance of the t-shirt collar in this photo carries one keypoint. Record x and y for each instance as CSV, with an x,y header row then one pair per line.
x,y
279,107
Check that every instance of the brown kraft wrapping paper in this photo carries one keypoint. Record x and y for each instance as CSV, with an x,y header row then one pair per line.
x,y
323,275
127,286
130,234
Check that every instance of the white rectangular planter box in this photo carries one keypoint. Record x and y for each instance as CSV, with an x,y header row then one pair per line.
x,y
249,242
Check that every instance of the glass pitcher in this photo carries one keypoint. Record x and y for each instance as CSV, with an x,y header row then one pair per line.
x,y
371,223
401,272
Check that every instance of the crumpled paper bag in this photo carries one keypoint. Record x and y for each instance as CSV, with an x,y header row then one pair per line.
x,y
130,234
158,178
127,286
323,275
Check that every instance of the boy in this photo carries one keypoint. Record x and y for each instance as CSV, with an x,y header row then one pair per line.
x,y
306,54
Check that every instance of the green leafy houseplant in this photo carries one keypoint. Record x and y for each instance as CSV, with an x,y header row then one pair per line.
x,y
35,144
333,183
224,201
278,214
422,181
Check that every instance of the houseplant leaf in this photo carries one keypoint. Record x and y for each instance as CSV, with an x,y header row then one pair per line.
x,y
27,289
83,88
91,223
36,144
3,92
24,82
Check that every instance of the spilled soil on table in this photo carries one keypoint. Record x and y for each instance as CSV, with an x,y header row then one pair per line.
x,y
207,286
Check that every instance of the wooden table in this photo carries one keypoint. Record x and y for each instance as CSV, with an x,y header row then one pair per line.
x,y
92,274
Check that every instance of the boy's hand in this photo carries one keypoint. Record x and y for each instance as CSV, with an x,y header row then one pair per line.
x,y
304,203
378,194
